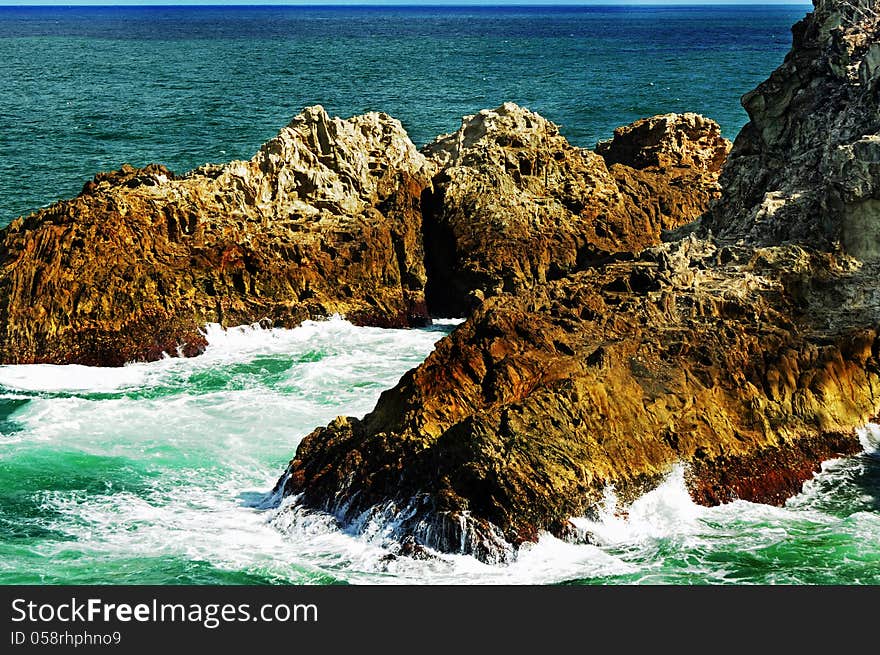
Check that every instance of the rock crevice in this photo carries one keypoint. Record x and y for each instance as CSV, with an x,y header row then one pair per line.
x,y
515,205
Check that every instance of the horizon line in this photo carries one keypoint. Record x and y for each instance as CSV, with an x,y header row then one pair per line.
x,y
729,3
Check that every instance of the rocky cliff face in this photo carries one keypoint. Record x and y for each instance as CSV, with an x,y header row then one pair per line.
x,y
325,218
516,205
805,168
749,351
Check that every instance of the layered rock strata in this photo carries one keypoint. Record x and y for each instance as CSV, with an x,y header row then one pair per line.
x,y
749,350
325,218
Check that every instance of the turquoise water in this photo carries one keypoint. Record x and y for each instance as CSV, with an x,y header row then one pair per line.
x,y
150,473
161,472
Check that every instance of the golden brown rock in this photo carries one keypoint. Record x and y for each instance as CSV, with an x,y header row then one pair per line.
x,y
667,142
515,205
750,356
324,219
529,411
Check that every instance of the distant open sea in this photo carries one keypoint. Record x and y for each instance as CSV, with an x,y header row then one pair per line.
x,y
86,89
161,472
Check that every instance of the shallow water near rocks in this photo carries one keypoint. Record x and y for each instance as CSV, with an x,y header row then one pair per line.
x,y
161,473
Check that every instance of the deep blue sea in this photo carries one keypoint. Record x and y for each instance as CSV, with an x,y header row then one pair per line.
x,y
160,472
86,89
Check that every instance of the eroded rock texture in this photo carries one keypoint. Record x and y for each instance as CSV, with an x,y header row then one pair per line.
x,y
325,218
805,168
515,205
748,350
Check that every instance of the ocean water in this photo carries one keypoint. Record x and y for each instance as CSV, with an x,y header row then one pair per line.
x,y
87,89
161,472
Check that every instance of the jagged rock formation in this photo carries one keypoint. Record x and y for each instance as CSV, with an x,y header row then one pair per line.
x,y
325,218
522,417
668,142
749,350
805,168
515,205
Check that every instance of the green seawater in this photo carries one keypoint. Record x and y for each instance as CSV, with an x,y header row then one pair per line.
x,y
162,473
151,473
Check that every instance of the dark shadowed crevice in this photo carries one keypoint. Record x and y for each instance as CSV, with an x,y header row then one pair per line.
x,y
444,295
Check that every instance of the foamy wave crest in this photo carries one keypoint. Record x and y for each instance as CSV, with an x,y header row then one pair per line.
x,y
335,347
665,511
869,436
255,339
73,378
370,551
447,322
421,532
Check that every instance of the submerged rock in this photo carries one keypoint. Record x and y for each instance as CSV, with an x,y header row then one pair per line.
x,y
324,219
515,205
749,350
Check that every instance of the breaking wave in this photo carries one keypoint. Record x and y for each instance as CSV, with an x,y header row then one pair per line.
x,y
158,473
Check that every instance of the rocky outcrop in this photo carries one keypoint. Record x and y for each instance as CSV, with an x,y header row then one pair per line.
x,y
333,216
805,168
528,412
668,142
515,205
749,350
325,218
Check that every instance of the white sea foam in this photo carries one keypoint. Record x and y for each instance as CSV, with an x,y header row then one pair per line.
x,y
203,456
370,556
337,344
208,441
869,436
665,511
51,377
441,322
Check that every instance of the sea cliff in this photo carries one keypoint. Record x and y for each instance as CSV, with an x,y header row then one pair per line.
x,y
330,217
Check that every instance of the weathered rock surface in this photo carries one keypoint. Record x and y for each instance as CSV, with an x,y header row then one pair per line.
x,y
806,168
522,417
667,142
325,218
515,205
328,218
749,353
